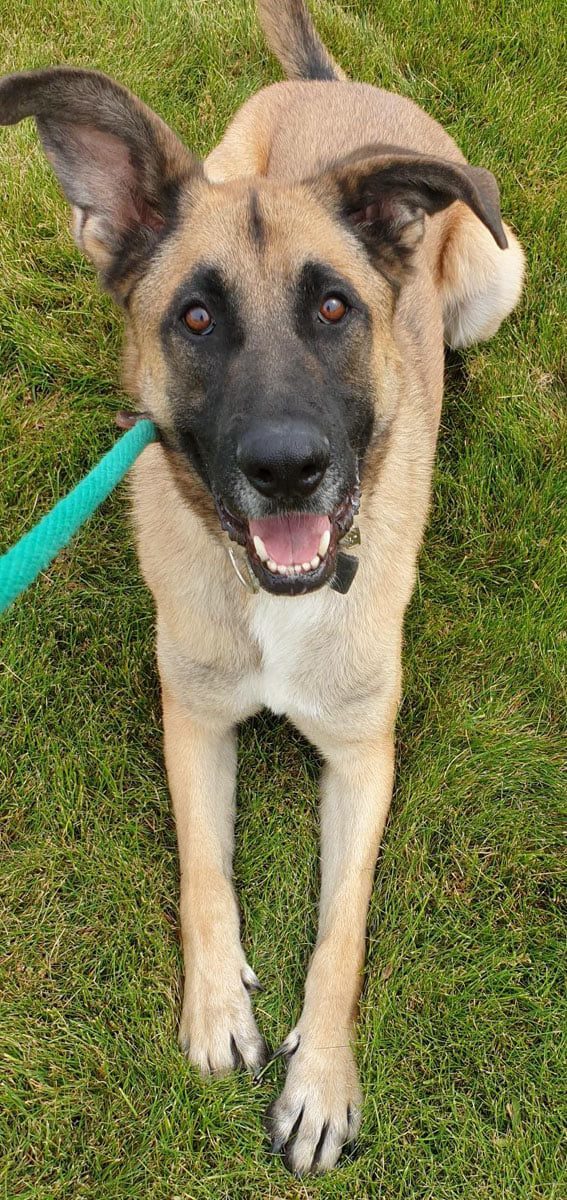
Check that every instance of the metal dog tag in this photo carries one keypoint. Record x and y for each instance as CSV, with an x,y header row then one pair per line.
x,y
352,538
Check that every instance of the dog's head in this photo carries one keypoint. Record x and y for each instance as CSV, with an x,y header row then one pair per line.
x,y
258,313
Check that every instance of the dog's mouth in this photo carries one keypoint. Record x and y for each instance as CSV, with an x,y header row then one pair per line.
x,y
293,552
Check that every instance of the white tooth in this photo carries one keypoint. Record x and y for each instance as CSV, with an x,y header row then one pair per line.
x,y
298,568
282,570
315,562
260,548
272,566
323,544
306,566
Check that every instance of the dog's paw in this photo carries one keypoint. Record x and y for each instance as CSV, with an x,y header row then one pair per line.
x,y
217,1030
318,1112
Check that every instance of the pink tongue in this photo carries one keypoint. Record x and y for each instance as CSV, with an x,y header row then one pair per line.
x,y
291,539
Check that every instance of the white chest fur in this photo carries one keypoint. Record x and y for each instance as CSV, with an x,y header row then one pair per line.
x,y
293,637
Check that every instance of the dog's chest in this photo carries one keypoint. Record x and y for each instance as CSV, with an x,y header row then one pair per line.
x,y
293,638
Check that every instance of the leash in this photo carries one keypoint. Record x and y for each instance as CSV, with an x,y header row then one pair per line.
x,y
20,565
36,549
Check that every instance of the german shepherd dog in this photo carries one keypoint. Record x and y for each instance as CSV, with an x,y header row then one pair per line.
x,y
286,305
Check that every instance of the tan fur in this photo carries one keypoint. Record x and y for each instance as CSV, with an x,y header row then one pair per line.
x,y
330,662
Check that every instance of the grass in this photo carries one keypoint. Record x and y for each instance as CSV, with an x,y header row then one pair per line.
x,y
461,1018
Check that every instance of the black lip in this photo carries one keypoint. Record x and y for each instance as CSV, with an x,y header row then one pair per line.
x,y
341,519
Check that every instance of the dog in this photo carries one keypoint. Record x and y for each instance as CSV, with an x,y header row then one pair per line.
x,y
286,305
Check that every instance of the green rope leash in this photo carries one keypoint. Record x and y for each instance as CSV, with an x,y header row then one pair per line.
x,y
36,549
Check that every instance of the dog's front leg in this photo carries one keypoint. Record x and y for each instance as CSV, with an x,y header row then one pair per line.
x,y
217,1029
319,1108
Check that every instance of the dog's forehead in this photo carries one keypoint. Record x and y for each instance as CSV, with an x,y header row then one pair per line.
x,y
256,235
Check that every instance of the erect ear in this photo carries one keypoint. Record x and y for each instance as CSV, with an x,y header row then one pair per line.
x,y
119,165
385,194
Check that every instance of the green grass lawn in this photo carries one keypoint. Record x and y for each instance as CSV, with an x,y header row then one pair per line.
x,y
461,1014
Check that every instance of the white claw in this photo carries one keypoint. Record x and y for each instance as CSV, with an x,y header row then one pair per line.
x,y
260,548
315,562
324,543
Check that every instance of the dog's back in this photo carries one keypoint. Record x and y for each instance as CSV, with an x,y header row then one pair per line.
x,y
292,128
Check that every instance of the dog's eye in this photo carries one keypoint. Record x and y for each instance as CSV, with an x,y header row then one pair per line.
x,y
198,319
332,310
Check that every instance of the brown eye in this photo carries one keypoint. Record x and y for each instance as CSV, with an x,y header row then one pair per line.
x,y
198,319
332,310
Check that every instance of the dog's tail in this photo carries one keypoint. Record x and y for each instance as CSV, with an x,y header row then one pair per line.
x,y
292,36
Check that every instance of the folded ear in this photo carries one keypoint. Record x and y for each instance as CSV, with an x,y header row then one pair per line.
x,y
119,165
385,194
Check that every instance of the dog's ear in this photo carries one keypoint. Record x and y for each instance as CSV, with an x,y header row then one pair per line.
x,y
385,194
119,165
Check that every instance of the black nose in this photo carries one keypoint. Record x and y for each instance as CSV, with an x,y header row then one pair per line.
x,y
284,458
